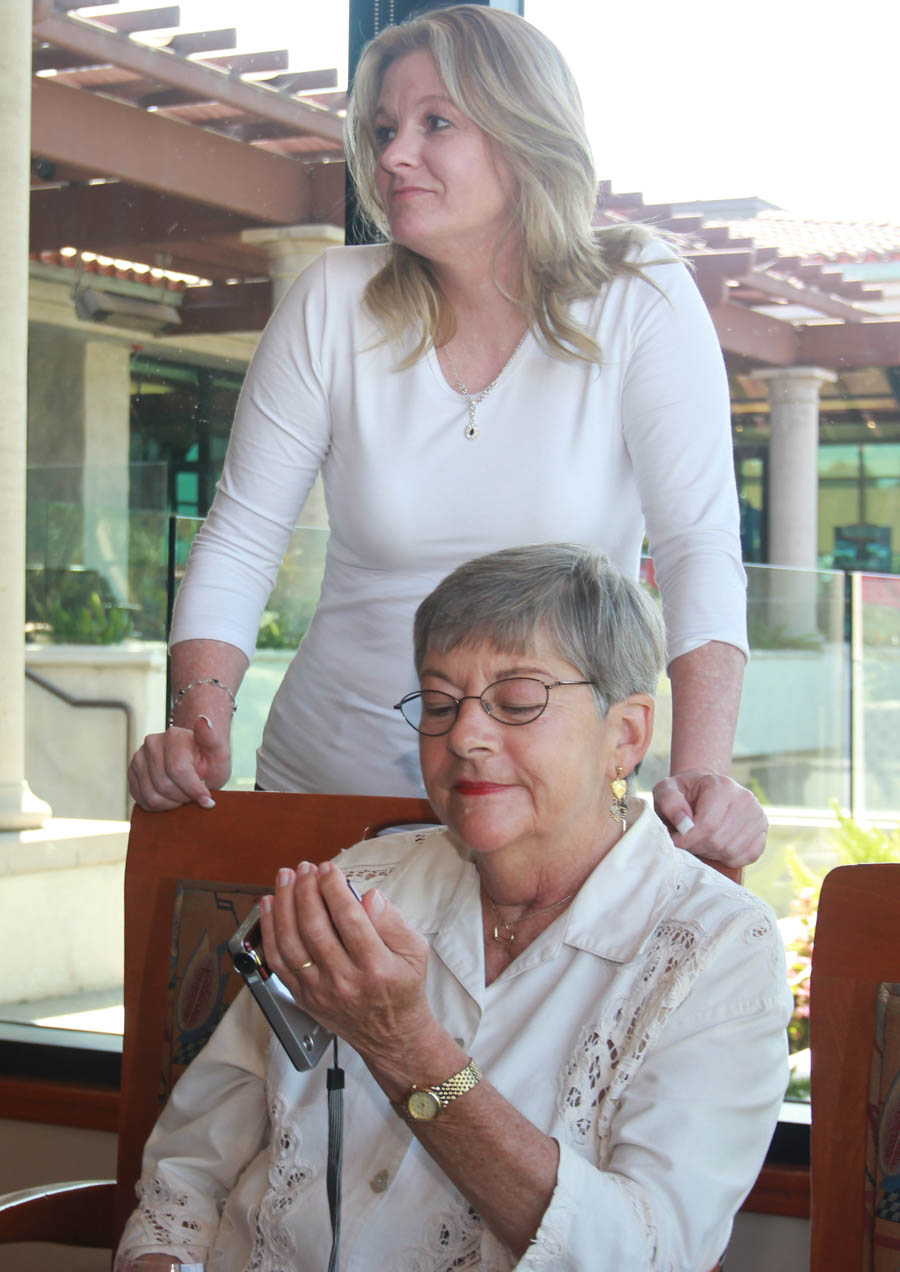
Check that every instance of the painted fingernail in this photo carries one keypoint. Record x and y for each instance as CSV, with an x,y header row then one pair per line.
x,y
684,826
265,904
325,868
284,877
304,868
378,902
206,802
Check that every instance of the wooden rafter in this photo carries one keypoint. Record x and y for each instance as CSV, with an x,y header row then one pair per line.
x,y
166,67
756,337
770,285
132,145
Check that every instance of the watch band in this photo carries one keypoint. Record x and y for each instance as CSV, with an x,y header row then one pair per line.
x,y
424,1103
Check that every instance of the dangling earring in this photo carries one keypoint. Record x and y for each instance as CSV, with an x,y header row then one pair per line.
x,y
618,809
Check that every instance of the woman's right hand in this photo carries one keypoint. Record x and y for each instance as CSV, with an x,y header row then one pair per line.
x,y
180,766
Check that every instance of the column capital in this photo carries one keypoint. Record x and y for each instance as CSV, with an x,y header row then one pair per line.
x,y
793,381
285,238
290,248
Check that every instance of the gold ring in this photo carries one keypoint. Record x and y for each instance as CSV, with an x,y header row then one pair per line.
x,y
303,966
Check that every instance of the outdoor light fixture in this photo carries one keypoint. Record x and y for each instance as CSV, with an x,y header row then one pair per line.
x,y
94,304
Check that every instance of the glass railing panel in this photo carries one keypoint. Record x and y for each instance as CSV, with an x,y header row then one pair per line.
x,y
876,697
284,623
95,562
792,739
791,744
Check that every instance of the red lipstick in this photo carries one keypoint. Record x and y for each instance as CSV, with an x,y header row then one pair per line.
x,y
479,788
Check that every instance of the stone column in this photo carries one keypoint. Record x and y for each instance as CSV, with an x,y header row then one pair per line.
x,y
290,249
19,808
794,492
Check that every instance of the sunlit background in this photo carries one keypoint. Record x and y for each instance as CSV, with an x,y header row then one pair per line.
x,y
794,101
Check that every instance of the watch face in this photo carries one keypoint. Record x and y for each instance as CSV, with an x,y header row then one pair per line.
x,y
422,1105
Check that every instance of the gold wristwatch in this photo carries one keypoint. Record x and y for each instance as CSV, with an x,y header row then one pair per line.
x,y
424,1103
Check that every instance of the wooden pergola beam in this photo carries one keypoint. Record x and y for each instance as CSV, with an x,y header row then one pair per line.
x,y
121,220
108,137
837,345
714,269
169,68
143,19
107,218
219,309
799,294
758,337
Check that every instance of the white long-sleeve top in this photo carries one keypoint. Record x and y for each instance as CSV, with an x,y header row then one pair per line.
x,y
645,1030
567,451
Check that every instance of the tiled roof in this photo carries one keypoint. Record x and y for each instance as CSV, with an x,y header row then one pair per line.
x,y
820,240
105,267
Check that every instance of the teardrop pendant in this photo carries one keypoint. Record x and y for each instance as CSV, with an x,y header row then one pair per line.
x,y
471,431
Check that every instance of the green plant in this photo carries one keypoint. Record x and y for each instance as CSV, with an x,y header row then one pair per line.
x,y
765,635
855,845
74,606
858,845
276,631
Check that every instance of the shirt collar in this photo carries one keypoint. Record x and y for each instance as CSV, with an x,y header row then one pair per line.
x,y
618,905
626,894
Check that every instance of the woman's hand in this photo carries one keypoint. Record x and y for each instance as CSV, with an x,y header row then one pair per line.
x,y
366,983
180,766
366,978
729,824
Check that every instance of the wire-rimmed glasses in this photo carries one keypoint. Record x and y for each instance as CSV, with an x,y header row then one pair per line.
x,y
515,700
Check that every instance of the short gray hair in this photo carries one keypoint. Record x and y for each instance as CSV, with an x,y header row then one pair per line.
x,y
597,619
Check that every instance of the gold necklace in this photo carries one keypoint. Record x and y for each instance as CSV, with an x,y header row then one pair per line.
x,y
473,401
507,926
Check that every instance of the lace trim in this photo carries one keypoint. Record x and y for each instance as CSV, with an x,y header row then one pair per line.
x,y
450,1240
370,874
164,1218
608,1053
645,1220
551,1241
375,871
760,928
289,1175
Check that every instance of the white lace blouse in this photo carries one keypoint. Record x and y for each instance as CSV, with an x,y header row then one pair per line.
x,y
644,1030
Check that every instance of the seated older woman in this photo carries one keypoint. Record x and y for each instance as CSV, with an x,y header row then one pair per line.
x,y
566,1037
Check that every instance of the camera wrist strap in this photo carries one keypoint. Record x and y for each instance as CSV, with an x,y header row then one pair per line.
x,y
335,1155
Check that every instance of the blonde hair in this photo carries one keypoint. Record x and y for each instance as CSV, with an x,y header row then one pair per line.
x,y
515,85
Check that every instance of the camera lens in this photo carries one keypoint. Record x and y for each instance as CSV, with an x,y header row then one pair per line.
x,y
244,964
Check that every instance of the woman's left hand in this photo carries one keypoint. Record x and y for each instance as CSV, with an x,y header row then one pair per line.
x,y
366,978
729,823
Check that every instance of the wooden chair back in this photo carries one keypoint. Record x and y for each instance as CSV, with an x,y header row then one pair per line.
x,y
244,839
857,946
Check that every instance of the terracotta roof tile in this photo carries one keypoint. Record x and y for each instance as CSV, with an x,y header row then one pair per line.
x,y
821,240
158,279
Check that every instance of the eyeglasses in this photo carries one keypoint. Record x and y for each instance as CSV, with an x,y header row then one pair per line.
x,y
516,700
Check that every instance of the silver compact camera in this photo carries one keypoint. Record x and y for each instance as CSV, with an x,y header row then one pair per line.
x,y
303,1038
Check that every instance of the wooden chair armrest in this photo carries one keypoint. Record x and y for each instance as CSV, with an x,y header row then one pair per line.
x,y
80,1213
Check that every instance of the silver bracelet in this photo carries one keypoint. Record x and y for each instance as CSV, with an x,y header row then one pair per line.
x,y
207,680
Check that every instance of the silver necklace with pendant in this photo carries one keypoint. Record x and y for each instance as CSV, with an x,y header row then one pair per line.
x,y
472,430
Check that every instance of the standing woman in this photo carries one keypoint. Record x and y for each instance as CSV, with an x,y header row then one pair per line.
x,y
495,373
